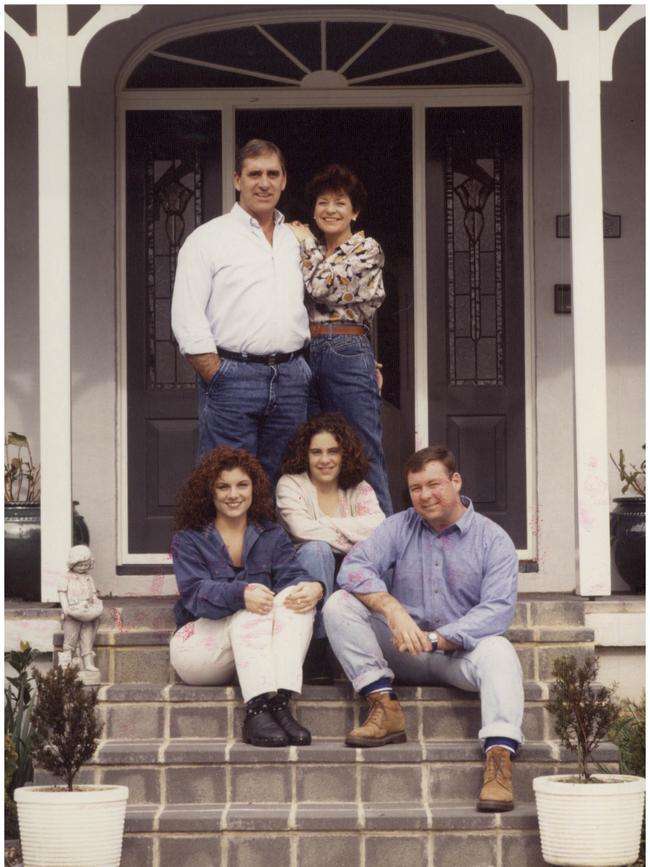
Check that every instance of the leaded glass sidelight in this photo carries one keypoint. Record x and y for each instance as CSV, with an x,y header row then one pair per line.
x,y
474,257
171,160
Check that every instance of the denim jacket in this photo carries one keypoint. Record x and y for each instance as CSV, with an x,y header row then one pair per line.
x,y
209,583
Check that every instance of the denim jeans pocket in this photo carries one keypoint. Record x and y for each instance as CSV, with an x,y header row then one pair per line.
x,y
352,346
222,370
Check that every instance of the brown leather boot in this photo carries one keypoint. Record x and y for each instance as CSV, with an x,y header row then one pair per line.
x,y
384,723
496,794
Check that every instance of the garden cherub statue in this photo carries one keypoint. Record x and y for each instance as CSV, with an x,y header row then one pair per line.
x,y
82,609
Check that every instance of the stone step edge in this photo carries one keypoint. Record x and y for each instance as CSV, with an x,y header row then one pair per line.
x,y
339,693
142,637
208,819
323,751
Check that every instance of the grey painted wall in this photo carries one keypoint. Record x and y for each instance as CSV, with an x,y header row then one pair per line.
x,y
93,276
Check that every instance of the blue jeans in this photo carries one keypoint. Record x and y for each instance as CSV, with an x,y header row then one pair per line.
x,y
256,407
319,561
363,645
344,381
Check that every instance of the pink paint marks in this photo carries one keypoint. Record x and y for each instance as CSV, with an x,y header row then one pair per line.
x,y
118,623
187,631
157,584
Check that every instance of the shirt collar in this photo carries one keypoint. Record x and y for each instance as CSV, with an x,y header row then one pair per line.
x,y
245,218
462,525
350,242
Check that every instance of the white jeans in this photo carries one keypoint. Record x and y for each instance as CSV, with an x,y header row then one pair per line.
x,y
266,650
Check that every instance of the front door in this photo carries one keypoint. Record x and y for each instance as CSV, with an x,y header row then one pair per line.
x,y
173,185
475,303
474,287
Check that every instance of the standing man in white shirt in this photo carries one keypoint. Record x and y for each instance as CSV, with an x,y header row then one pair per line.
x,y
239,318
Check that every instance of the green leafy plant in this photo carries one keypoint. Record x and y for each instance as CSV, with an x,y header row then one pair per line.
x,y
628,733
65,721
22,475
631,475
11,815
19,704
584,712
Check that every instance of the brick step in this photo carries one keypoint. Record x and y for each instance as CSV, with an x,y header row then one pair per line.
x,y
349,835
137,655
146,711
203,771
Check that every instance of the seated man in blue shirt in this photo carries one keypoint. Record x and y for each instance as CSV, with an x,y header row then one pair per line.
x,y
440,618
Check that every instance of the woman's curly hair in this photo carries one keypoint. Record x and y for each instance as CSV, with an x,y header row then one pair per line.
x,y
354,463
195,503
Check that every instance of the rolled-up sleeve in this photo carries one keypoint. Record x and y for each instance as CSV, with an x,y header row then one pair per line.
x,y
494,612
192,290
201,594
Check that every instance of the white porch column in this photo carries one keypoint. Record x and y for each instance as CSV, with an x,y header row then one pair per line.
x,y
584,56
53,63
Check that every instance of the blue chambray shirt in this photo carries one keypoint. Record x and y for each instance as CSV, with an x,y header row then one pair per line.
x,y
462,582
210,585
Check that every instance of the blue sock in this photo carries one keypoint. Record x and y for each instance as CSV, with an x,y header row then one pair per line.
x,y
384,684
499,741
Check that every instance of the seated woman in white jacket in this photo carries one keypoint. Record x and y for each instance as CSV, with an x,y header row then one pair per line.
x,y
325,505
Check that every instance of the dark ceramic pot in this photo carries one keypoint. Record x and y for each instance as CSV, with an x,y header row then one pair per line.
x,y
23,549
627,529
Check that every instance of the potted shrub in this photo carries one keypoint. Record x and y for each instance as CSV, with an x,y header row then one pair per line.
x,y
19,701
586,819
72,825
627,524
23,521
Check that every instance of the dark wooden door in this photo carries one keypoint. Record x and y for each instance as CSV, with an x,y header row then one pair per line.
x,y
173,185
476,305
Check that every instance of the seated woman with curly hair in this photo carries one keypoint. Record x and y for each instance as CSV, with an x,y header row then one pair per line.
x,y
246,603
325,504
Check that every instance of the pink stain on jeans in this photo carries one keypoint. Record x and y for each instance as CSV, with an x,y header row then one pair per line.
x,y
187,631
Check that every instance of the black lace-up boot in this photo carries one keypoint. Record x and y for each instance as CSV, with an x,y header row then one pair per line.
x,y
279,705
260,727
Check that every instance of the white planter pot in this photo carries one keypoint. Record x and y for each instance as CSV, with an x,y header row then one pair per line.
x,y
74,829
590,825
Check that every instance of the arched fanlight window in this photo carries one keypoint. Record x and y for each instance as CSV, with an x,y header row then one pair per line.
x,y
324,54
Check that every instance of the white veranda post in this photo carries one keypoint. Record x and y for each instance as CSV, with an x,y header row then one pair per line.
x,y
584,58
53,64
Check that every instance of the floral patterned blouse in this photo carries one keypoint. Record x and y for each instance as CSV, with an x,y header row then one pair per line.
x,y
346,285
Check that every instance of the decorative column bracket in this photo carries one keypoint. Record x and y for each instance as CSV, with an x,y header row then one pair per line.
x,y
560,39
75,45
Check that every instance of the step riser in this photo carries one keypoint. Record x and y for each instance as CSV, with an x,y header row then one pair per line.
x,y
132,662
435,722
287,783
514,848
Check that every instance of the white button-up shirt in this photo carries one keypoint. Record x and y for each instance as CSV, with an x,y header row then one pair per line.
x,y
235,290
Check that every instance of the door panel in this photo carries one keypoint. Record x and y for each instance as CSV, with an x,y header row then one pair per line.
x,y
476,305
173,185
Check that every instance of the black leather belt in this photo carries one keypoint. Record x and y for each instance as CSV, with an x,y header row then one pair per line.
x,y
249,358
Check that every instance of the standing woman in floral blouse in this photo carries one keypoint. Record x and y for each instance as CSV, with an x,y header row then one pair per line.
x,y
344,287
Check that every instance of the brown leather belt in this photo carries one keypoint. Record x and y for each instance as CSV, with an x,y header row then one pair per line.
x,y
325,328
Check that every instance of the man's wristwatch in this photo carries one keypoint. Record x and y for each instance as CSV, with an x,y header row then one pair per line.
x,y
433,638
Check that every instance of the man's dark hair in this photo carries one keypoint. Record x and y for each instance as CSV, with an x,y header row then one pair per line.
x,y
336,179
419,459
255,148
